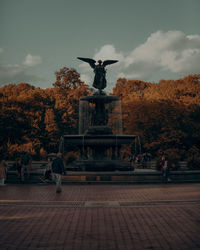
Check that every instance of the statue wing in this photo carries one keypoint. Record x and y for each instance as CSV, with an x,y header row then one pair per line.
x,y
107,62
88,60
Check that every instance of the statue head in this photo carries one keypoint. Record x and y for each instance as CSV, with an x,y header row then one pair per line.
x,y
100,62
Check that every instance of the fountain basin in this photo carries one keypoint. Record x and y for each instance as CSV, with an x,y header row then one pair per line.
x,y
90,140
97,152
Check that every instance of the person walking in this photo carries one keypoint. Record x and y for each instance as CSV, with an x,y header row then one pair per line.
x,y
58,170
3,165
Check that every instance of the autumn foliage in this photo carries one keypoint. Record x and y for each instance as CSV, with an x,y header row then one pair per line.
x,y
166,115
35,118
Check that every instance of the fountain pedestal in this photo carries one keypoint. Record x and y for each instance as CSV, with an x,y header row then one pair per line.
x,y
98,152
100,135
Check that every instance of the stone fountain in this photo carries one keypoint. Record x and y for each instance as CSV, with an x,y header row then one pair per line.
x,y
100,135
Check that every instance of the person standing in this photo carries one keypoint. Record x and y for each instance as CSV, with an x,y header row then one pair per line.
x,y
132,159
58,170
48,170
18,167
3,165
26,161
165,165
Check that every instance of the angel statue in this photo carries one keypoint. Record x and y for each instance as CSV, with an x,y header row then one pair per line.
x,y
99,71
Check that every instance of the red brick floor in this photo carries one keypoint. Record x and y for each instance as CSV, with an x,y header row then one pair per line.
x,y
100,217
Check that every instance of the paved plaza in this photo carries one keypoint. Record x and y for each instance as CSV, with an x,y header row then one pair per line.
x,y
100,217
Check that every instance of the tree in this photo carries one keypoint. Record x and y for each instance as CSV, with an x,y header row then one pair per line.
x,y
67,79
52,131
164,115
68,89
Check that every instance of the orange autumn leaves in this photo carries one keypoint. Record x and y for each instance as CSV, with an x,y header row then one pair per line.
x,y
166,115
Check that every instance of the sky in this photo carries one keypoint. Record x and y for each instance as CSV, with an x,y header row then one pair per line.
x,y
152,39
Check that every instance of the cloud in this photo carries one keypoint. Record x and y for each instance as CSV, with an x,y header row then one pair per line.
x,y
31,61
1,50
171,54
15,74
165,52
108,51
87,78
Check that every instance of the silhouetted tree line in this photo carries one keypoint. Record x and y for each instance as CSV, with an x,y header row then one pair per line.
x,y
166,115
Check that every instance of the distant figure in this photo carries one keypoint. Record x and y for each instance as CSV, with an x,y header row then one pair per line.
x,y
99,71
58,170
18,167
48,170
165,166
132,160
3,165
26,161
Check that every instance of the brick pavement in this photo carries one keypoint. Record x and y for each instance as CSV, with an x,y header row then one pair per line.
x,y
100,217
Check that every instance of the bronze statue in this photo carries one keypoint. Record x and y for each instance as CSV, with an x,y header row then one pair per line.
x,y
99,70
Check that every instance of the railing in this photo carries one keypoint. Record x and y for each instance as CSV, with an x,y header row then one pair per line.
x,y
152,165
34,165
149,165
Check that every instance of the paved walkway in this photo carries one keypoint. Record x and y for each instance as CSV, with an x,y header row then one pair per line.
x,y
100,217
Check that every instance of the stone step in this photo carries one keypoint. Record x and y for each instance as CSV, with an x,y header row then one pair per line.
x,y
138,176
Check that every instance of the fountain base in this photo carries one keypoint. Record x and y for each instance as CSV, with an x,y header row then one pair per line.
x,y
100,135
97,152
103,165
